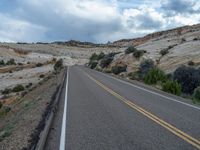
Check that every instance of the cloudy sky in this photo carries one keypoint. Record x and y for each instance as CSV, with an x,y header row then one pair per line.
x,y
91,20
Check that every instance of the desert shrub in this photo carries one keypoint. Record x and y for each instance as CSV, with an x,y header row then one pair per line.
x,y
188,77
183,40
191,63
107,70
20,64
2,63
154,76
171,86
54,59
42,76
6,91
11,62
138,53
98,69
6,109
18,88
145,66
195,39
169,76
1,104
58,65
93,57
107,59
118,69
100,56
93,64
134,75
29,85
164,52
196,94
39,65
130,49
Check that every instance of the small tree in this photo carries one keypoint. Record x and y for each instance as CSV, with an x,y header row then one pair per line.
x,y
172,87
188,77
58,65
196,94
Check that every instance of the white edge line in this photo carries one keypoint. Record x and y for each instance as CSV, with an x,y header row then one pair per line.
x,y
152,92
63,130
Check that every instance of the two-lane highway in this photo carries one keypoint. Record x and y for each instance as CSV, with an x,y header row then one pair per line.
x,y
106,113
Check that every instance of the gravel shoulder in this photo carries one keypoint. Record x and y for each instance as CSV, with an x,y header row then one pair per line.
x,y
18,127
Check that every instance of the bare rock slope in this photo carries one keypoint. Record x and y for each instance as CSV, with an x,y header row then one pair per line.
x,y
182,44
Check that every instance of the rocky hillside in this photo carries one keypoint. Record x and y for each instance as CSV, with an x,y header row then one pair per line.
x,y
162,34
168,49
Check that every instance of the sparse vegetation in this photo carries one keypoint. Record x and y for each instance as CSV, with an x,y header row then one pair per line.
x,y
6,132
11,62
94,59
196,39
106,61
2,63
171,86
138,53
58,65
196,94
183,40
100,56
108,58
130,49
118,69
154,76
18,88
188,77
1,104
29,85
145,66
93,64
39,65
42,76
6,91
134,76
164,52
191,63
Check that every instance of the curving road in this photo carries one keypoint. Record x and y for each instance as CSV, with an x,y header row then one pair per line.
x,y
105,113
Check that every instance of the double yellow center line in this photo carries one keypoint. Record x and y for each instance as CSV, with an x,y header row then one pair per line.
x,y
169,127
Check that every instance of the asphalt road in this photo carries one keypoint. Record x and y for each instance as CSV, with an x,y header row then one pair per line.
x,y
104,113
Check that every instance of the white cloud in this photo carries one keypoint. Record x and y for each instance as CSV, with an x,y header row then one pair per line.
x,y
91,20
12,30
